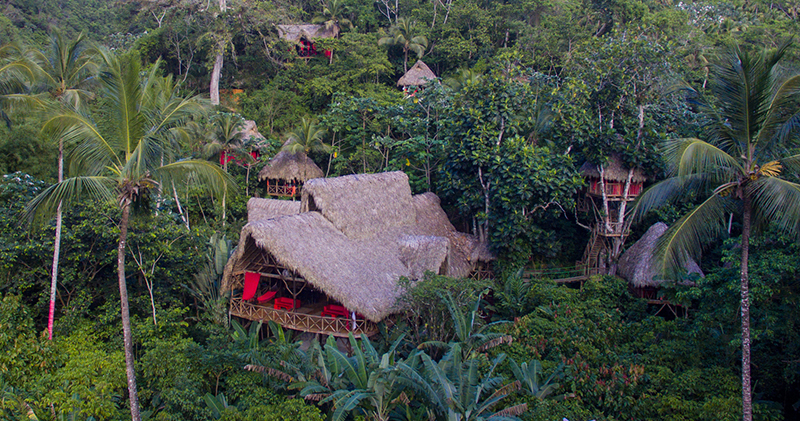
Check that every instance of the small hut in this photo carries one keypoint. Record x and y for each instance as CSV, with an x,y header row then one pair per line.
x,y
304,35
615,175
331,266
286,173
418,75
637,264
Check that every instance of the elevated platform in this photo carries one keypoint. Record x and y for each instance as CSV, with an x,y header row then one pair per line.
x,y
307,319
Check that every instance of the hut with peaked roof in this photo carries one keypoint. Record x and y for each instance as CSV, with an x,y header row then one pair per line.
x,y
418,75
637,265
304,35
331,266
286,173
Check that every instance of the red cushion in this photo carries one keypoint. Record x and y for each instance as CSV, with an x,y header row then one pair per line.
x,y
266,297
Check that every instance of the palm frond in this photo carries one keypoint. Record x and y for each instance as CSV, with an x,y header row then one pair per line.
x,y
217,181
44,206
686,237
665,191
776,200
694,156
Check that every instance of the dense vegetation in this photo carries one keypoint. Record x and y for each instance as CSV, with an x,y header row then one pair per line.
x,y
528,91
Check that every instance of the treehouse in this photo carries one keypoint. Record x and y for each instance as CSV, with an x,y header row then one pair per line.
x,y
286,173
613,180
330,263
418,75
303,37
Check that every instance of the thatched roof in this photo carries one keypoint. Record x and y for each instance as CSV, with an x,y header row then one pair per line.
x,y
250,130
418,75
362,205
310,32
613,170
637,264
260,209
355,237
360,275
465,249
287,166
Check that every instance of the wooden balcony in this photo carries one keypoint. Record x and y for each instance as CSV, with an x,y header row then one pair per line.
x,y
614,190
284,190
307,319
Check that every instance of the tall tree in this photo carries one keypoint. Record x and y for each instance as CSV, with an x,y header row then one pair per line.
x,y
404,33
306,138
67,68
742,167
123,159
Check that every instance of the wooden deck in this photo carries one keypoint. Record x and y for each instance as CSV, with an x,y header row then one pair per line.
x,y
307,318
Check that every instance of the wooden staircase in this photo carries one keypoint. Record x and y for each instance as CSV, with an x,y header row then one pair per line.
x,y
595,246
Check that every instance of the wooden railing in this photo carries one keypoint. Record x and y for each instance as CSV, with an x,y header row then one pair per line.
x,y
282,190
303,322
579,272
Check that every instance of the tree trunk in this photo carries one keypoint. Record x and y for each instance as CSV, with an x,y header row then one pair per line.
x,y
56,247
747,398
215,73
126,318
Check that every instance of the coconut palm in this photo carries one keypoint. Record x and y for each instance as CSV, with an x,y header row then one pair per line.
x,y
403,33
67,69
306,138
125,159
742,167
18,71
333,16
225,137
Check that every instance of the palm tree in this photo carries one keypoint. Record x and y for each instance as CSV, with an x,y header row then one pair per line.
x,y
402,33
123,160
306,138
18,71
66,70
741,167
225,137
333,17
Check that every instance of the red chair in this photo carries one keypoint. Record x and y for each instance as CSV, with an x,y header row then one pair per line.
x,y
334,310
251,280
266,297
282,303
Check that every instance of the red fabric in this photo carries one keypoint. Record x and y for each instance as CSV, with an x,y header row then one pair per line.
x,y
287,303
328,53
266,297
251,280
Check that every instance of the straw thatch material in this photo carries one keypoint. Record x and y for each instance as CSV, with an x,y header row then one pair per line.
x,y
614,171
465,249
294,33
360,275
637,264
249,130
361,205
260,209
354,237
418,75
287,166
421,253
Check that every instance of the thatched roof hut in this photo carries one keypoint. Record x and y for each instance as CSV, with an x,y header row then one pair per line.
x,y
354,237
294,33
288,167
261,209
614,171
249,130
637,264
418,75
